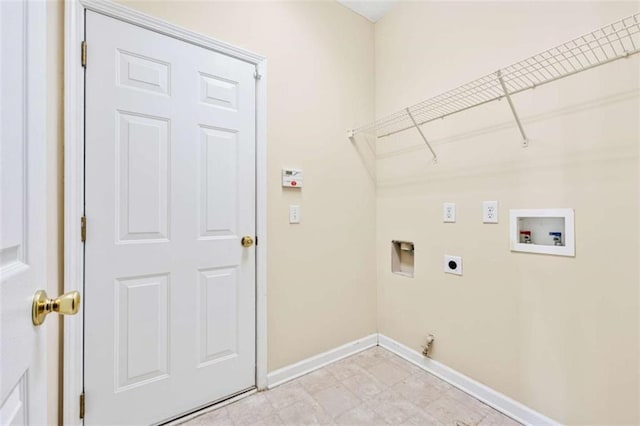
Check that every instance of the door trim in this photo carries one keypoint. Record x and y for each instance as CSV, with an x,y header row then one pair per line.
x,y
74,181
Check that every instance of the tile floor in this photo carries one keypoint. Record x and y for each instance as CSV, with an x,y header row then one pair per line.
x,y
374,387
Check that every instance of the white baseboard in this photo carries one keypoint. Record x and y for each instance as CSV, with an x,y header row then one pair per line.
x,y
308,365
495,399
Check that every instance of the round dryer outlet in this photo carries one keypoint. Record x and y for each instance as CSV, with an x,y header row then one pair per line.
x,y
452,264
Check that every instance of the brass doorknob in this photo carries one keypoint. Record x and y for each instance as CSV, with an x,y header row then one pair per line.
x,y
247,241
67,304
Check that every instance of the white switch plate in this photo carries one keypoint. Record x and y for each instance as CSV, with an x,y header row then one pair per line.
x,y
452,264
294,214
449,212
490,211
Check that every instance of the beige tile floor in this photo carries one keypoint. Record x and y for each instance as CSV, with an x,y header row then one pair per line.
x,y
374,387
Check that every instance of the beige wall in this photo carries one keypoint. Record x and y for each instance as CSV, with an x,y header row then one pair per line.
x,y
55,109
557,334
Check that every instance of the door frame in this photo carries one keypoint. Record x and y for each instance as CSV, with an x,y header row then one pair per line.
x,y
74,93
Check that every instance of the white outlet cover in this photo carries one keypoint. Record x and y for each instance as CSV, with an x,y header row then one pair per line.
x,y
449,212
490,212
452,264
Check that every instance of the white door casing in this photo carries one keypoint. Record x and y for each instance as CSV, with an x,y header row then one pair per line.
x,y
23,379
170,191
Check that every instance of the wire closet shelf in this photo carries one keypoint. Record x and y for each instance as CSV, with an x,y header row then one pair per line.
x,y
617,40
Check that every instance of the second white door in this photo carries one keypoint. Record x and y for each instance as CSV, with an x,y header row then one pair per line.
x,y
170,191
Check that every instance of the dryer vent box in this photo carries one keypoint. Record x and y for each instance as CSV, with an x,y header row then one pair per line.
x,y
402,254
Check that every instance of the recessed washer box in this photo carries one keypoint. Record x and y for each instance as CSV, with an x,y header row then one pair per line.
x,y
542,231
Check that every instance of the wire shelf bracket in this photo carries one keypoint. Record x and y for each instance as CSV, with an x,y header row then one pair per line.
x,y
435,156
525,141
618,40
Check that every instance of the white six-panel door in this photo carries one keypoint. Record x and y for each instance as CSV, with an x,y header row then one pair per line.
x,y
23,378
170,191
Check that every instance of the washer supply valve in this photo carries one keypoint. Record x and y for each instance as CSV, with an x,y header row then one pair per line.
x,y
557,238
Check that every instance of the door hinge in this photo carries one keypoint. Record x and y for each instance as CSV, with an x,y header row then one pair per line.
x,y
83,53
83,228
257,75
82,405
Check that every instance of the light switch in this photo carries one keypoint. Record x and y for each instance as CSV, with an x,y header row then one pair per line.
x,y
294,214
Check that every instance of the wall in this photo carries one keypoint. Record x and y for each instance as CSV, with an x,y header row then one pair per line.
x,y
55,192
558,334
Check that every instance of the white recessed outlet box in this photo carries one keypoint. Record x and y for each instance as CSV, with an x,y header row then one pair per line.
x,y
490,212
543,231
452,264
402,258
292,178
294,214
449,212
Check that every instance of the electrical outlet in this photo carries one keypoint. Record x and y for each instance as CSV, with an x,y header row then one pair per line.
x,y
449,212
490,211
452,264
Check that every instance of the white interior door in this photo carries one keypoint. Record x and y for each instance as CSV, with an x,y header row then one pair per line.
x,y
23,377
170,191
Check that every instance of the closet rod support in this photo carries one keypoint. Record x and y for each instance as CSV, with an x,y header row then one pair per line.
x,y
525,141
415,124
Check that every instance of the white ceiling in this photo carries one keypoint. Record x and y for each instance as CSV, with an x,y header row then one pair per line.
x,y
373,10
